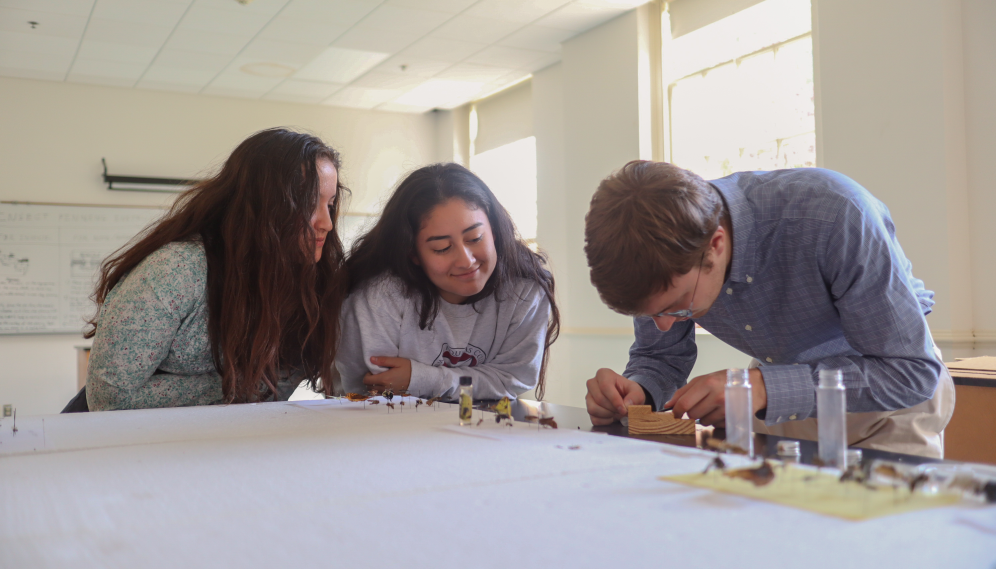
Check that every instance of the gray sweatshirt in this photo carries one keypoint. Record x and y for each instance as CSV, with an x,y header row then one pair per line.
x,y
498,344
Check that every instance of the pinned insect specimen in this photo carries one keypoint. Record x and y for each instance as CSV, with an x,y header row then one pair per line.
x,y
503,411
724,446
548,422
759,476
431,401
390,405
716,462
388,394
479,421
356,397
418,401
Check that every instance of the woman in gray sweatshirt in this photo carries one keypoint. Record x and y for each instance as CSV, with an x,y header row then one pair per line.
x,y
443,287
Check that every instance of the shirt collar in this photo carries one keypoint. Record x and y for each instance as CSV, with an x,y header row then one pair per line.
x,y
742,263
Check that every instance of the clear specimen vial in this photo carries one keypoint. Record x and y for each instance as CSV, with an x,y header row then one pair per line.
x,y
466,400
831,413
739,410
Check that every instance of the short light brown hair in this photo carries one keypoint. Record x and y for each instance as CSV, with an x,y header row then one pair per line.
x,y
648,223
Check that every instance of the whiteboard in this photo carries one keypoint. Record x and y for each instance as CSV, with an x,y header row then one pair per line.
x,y
49,259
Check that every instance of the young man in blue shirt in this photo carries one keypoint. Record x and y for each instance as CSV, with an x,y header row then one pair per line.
x,y
799,269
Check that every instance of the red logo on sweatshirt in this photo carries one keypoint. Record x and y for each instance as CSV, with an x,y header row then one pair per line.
x,y
459,357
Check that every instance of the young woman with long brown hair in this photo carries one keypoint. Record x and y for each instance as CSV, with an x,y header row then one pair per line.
x,y
234,295
443,287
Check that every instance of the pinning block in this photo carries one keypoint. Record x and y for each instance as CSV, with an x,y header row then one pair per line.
x,y
643,421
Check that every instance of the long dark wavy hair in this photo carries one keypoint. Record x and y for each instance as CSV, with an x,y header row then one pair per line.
x,y
271,307
389,247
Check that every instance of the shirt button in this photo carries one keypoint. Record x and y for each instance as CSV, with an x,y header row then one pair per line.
x,y
769,360
747,327
729,291
750,279
793,417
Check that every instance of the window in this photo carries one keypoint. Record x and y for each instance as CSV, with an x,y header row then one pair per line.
x,y
510,172
740,91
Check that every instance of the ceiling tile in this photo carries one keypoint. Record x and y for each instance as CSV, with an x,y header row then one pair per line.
x,y
404,20
106,51
523,11
623,5
475,29
182,59
100,80
400,108
41,62
223,21
369,39
579,17
302,31
32,73
266,8
475,73
388,81
442,93
234,80
538,38
163,86
442,49
207,42
150,12
159,73
71,7
448,6
127,33
57,25
103,68
310,88
361,97
543,62
340,13
511,57
47,45
294,54
339,65
415,66
295,91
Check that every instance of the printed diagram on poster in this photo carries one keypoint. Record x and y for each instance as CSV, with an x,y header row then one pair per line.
x,y
49,259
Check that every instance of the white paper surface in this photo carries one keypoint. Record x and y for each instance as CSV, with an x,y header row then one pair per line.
x,y
336,485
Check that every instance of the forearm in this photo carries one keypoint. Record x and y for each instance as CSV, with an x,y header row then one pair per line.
x,y
660,362
490,381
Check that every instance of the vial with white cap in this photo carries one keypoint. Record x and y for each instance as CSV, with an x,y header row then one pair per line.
x,y
466,399
739,410
831,410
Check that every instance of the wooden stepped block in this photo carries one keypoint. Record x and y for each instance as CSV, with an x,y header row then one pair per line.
x,y
643,421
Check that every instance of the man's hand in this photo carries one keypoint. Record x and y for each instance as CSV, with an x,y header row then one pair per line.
x,y
397,377
608,395
704,397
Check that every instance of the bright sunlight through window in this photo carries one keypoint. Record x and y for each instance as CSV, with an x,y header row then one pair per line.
x,y
510,172
740,91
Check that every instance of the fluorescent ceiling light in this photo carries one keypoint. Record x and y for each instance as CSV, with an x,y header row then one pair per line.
x,y
340,65
440,93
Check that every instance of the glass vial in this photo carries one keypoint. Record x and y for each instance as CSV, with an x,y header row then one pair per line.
x,y
466,400
831,412
739,410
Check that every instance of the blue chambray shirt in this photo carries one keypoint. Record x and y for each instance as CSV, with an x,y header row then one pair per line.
x,y
817,281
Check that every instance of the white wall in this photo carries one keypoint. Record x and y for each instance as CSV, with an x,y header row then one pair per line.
x,y
53,135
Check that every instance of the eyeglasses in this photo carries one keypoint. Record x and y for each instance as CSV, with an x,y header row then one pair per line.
x,y
687,312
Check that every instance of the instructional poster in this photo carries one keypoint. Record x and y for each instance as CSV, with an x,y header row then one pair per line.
x,y
49,259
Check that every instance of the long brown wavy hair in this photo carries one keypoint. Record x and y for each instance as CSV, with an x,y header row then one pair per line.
x,y
271,307
390,246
